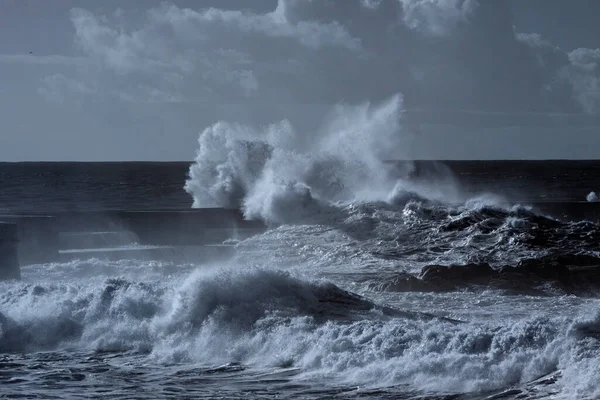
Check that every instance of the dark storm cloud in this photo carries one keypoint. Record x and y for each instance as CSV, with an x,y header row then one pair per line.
x,y
457,54
164,71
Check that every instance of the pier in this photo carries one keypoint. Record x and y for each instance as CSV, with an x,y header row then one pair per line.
x,y
190,235
187,235
9,261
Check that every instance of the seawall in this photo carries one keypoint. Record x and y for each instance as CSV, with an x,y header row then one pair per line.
x,y
44,238
188,235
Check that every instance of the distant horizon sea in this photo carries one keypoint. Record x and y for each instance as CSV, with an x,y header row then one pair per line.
x,y
66,185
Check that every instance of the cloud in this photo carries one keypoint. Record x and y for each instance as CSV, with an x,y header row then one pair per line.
x,y
371,4
441,54
117,50
212,50
33,59
189,23
584,74
437,17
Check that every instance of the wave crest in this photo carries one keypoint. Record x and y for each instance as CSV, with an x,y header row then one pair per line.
x,y
282,176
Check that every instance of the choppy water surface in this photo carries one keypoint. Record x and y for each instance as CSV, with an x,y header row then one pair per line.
x,y
298,312
375,280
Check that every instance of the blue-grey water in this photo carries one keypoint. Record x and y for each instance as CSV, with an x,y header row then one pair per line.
x,y
318,306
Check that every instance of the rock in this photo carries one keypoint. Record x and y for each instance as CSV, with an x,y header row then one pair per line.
x,y
572,274
457,274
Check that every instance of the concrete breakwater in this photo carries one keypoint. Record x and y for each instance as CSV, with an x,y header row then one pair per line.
x,y
42,238
181,235
9,262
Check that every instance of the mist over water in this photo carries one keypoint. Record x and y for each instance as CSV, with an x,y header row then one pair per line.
x,y
280,175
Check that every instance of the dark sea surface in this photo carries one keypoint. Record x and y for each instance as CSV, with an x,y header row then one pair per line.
x,y
46,187
410,297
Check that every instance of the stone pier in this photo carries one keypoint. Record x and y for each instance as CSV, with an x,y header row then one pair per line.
x,y
179,234
9,258
197,233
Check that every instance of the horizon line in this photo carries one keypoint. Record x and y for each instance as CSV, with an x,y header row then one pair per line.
x,y
385,161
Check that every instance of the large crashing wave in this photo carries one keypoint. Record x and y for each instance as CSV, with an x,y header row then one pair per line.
x,y
268,319
280,175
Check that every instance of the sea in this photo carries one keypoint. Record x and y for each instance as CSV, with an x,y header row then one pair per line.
x,y
374,280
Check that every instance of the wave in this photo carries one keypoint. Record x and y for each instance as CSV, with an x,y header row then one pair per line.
x,y
282,176
271,319
405,212
121,314
425,232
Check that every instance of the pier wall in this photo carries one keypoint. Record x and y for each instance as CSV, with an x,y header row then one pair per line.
x,y
9,259
41,238
51,238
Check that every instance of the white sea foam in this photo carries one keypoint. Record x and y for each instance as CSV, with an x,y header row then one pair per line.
x,y
268,319
282,175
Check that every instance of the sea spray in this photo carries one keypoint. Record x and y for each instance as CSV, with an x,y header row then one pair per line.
x,y
282,176
228,163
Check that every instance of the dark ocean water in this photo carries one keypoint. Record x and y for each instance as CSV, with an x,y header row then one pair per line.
x,y
47,187
68,186
410,297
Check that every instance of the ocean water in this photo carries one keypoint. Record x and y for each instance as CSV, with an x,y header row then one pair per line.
x,y
65,186
305,310
374,280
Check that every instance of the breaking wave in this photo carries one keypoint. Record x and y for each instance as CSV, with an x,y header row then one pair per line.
x,y
280,175
271,319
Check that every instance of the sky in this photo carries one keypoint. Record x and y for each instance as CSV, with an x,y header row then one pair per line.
x,y
84,80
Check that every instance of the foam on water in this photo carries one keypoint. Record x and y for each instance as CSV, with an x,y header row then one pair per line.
x,y
265,318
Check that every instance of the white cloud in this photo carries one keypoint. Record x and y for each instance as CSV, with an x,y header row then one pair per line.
x,y
588,59
458,54
371,4
437,17
115,49
189,23
534,40
212,52
584,74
